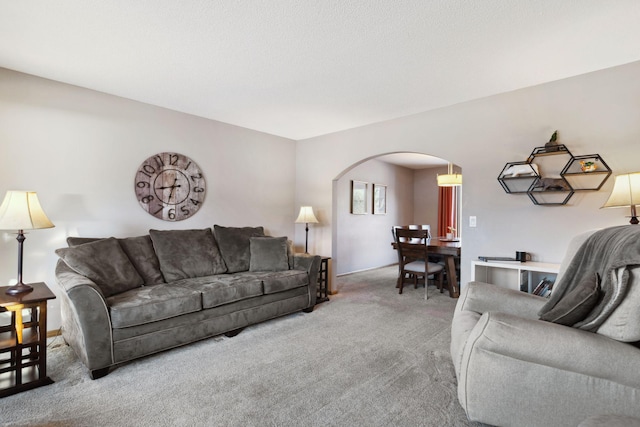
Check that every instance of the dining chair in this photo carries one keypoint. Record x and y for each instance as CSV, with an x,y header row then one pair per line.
x,y
413,256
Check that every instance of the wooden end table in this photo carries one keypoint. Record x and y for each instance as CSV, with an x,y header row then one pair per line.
x,y
23,341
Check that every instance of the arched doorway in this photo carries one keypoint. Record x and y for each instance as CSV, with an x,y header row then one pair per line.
x,y
362,241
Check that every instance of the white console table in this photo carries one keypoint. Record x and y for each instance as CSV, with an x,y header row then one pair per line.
x,y
527,274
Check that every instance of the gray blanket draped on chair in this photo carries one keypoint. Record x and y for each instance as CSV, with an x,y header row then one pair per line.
x,y
603,252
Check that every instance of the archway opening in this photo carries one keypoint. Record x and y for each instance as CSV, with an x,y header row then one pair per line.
x,y
361,240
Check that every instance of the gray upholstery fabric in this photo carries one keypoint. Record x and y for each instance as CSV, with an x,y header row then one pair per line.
x,y
152,303
199,316
624,322
602,252
187,253
268,254
284,280
610,421
140,252
105,263
515,370
143,257
576,304
234,245
223,288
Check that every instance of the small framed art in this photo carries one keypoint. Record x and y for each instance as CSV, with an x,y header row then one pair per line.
x,y
358,197
379,199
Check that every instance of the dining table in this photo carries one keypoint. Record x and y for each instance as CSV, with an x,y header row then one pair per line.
x,y
449,250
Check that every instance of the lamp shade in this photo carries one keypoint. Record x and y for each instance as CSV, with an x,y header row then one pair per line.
x,y
21,210
626,191
449,180
306,215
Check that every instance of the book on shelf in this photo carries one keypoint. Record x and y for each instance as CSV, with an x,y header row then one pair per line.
x,y
498,259
543,288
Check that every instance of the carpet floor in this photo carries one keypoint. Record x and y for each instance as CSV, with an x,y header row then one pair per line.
x,y
368,357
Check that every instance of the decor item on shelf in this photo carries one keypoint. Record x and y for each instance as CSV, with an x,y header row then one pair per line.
x,y
306,216
625,193
552,145
170,186
21,210
587,166
449,179
526,169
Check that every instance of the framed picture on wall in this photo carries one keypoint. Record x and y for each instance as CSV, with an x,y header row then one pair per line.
x,y
379,199
358,197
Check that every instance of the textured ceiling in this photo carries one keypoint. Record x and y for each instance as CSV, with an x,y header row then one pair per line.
x,y
302,68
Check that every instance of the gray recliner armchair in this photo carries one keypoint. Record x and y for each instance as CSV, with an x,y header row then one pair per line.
x,y
514,369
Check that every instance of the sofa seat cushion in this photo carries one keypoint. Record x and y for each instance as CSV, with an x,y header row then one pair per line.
x,y
279,281
152,303
223,288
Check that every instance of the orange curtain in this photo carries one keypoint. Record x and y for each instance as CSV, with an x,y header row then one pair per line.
x,y
447,210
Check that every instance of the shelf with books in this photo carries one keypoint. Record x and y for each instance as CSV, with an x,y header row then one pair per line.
x,y
524,276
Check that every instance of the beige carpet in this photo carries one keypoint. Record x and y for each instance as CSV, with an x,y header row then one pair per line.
x,y
369,357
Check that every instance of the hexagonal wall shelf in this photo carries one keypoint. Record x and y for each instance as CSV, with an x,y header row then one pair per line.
x,y
551,174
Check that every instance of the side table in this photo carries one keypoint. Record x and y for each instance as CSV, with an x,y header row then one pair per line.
x,y
323,280
23,341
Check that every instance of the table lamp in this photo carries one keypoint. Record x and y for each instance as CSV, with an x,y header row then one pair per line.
x,y
306,216
21,210
625,193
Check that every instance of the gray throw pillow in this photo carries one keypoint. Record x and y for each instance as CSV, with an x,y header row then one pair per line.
x,y
234,245
140,252
105,263
185,254
268,254
576,304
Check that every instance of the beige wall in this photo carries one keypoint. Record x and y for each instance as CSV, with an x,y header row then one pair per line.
x,y
80,149
594,113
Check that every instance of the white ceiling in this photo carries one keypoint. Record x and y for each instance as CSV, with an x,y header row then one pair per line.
x,y
302,68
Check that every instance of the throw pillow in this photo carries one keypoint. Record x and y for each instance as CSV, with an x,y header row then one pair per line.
x,y
140,252
268,254
576,304
234,245
105,263
185,254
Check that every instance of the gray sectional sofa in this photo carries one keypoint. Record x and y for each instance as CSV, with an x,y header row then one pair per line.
x,y
127,298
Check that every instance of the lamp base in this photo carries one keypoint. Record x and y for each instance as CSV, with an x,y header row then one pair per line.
x,y
634,220
18,289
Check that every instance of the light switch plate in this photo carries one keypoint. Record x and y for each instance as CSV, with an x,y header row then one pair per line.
x,y
472,221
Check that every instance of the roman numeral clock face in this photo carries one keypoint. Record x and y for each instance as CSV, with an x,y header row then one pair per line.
x,y
170,186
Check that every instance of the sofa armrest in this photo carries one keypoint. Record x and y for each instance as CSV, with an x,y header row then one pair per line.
x,y
86,324
483,297
514,369
310,264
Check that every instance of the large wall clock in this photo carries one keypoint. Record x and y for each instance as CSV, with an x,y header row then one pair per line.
x,y
170,186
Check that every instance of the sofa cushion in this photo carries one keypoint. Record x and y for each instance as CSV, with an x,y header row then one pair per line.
x,y
140,252
223,288
105,263
268,254
152,303
284,280
234,245
576,304
187,253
